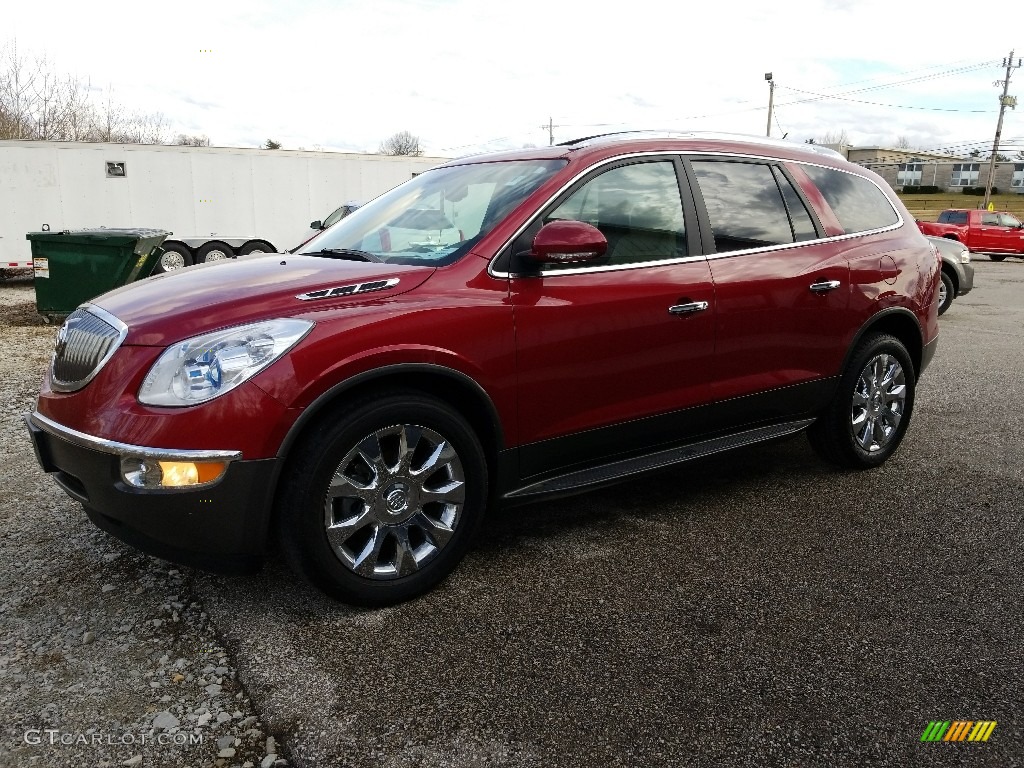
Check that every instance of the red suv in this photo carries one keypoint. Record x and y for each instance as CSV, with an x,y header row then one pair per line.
x,y
499,329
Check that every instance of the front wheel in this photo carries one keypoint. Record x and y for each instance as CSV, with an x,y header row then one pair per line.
x,y
996,256
946,293
380,503
870,412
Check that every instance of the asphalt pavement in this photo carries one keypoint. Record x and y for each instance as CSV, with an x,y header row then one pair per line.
x,y
756,609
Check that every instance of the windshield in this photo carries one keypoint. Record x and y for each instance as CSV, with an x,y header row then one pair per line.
x,y
436,217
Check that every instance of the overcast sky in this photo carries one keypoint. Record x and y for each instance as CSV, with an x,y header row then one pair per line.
x,y
471,75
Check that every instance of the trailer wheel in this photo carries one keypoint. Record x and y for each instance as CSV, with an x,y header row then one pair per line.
x,y
214,251
174,257
256,246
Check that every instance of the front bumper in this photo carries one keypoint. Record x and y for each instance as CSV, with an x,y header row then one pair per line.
x,y
966,279
220,527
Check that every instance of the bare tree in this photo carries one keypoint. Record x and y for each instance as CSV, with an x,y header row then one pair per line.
x,y
401,143
199,140
834,137
37,103
16,87
902,142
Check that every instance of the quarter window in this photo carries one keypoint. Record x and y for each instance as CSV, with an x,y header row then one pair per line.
x,y
746,207
859,205
953,217
636,207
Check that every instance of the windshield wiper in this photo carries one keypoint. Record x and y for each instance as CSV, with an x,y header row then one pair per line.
x,y
345,253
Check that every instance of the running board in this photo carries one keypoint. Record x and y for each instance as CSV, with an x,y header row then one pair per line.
x,y
619,470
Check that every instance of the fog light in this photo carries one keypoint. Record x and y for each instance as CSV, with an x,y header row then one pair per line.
x,y
178,473
150,473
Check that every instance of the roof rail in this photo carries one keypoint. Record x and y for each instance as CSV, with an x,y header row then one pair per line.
x,y
677,134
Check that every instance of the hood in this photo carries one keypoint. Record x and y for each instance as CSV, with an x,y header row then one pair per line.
x,y
165,308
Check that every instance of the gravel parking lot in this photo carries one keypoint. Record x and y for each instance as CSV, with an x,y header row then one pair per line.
x,y
758,609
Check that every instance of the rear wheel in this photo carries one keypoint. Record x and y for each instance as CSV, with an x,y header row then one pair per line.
x,y
214,252
870,412
174,257
380,503
996,256
946,293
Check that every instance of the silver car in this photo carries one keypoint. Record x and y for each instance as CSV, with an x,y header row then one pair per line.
x,y
957,270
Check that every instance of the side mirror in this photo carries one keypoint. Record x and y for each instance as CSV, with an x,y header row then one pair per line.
x,y
316,224
565,242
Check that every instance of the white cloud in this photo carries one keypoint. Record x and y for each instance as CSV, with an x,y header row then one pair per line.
x,y
466,75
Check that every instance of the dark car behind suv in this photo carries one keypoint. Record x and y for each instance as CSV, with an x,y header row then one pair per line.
x,y
594,311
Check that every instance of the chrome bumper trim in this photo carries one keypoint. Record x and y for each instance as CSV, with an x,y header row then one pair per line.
x,y
125,450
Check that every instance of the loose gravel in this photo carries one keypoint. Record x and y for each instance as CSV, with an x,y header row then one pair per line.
x,y
107,657
757,609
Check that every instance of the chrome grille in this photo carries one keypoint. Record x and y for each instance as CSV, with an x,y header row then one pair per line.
x,y
86,341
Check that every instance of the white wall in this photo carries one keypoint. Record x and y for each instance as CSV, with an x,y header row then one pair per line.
x,y
192,191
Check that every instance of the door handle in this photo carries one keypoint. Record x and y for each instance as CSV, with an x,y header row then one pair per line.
x,y
688,309
824,286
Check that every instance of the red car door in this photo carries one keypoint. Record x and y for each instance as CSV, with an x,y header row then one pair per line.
x,y
782,306
612,342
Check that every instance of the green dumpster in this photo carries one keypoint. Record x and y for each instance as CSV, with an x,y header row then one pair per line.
x,y
73,267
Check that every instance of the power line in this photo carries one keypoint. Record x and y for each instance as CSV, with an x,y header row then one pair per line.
x,y
879,104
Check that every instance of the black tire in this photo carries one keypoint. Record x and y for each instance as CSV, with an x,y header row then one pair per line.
x,y
390,506
838,435
996,256
174,257
256,246
946,294
214,251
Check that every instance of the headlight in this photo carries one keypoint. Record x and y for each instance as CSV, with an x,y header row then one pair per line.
x,y
204,367
965,257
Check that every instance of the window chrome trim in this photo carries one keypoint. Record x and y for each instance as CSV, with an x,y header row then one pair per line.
x,y
109,319
900,221
668,154
125,450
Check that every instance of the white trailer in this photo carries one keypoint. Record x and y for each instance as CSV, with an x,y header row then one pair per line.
x,y
218,202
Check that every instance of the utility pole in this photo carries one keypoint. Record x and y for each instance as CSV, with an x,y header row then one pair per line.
x,y
771,100
550,128
1004,102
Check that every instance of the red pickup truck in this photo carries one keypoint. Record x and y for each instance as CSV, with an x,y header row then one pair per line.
x,y
994,233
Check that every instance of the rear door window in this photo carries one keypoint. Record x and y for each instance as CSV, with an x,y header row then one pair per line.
x,y
859,205
747,208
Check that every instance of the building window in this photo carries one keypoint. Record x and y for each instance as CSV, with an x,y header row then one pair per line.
x,y
909,174
1018,176
965,174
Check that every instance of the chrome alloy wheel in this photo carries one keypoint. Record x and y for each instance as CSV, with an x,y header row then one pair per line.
x,y
879,402
172,260
394,501
942,293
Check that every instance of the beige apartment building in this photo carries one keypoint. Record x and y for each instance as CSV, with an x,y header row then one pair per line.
x,y
906,168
